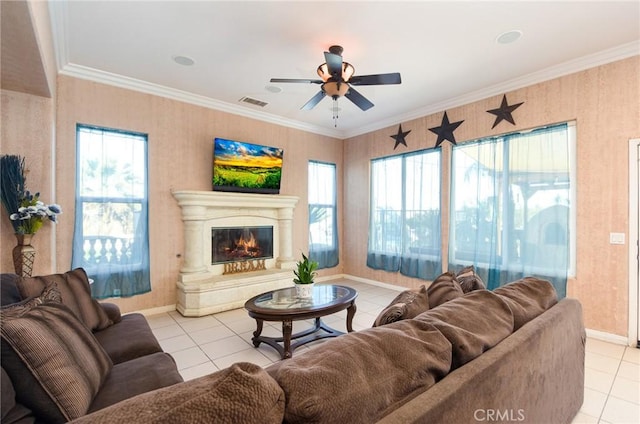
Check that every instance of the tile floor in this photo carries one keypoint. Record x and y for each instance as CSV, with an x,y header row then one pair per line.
x,y
206,344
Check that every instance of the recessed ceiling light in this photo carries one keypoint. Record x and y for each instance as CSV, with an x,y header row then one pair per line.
x,y
509,36
183,60
273,89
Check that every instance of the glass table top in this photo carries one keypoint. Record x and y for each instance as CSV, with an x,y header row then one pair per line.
x,y
284,299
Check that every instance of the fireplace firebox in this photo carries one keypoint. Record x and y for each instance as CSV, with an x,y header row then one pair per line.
x,y
233,244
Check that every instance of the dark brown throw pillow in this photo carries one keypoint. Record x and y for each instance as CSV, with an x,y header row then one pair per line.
x,y
241,393
469,280
406,305
55,363
76,295
528,298
443,289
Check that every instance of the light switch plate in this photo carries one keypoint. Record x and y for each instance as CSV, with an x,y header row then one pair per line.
x,y
616,238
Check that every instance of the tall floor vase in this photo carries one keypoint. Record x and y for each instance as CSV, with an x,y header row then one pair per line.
x,y
24,255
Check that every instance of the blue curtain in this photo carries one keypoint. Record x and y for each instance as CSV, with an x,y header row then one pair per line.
x,y
323,216
404,225
111,237
511,207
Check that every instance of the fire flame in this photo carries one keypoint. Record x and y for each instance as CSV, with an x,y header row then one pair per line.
x,y
250,245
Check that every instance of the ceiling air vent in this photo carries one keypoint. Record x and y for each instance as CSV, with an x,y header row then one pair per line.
x,y
253,101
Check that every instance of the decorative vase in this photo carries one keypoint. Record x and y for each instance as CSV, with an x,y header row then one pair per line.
x,y
23,255
304,291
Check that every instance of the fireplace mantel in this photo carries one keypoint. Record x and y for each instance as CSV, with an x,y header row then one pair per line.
x,y
202,288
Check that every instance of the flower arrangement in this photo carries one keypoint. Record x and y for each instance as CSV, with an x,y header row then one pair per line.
x,y
26,211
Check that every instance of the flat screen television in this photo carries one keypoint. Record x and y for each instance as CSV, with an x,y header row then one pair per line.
x,y
247,168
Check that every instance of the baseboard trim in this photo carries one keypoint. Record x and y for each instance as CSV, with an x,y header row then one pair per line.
x,y
157,310
607,337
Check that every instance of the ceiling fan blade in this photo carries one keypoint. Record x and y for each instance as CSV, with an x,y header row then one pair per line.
x,y
379,79
307,81
314,101
334,64
358,99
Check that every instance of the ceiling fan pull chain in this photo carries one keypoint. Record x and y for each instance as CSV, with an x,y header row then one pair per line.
x,y
335,113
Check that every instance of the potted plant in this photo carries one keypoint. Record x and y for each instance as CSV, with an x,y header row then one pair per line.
x,y
305,273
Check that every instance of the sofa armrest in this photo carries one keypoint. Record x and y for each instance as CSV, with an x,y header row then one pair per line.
x,y
112,310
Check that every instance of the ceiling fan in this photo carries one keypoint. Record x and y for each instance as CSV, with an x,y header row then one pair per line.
x,y
337,80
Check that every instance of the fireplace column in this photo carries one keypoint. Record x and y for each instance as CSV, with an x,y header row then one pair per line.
x,y
192,217
285,260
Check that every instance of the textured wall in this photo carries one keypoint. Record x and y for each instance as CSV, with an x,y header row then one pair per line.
x,y
604,102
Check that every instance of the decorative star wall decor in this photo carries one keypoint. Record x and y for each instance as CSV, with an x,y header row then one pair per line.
x,y
445,130
400,137
504,112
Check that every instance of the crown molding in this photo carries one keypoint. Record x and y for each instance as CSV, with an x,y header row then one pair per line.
x,y
614,54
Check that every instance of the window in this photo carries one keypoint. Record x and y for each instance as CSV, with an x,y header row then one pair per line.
x,y
404,224
323,228
111,239
512,210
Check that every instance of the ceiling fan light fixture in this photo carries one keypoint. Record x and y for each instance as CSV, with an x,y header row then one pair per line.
x,y
335,89
347,71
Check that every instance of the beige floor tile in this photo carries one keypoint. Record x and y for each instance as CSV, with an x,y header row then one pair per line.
x,y
629,370
232,315
198,371
160,320
168,332
618,411
603,348
602,363
631,354
598,380
195,324
242,325
583,418
626,389
209,335
189,357
594,402
174,344
224,347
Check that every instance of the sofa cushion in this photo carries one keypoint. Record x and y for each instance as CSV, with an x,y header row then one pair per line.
x,y
76,295
443,289
12,412
55,363
128,339
358,377
528,298
406,305
137,376
469,280
241,393
473,324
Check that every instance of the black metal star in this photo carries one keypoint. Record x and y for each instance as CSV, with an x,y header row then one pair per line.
x,y
504,111
400,137
445,130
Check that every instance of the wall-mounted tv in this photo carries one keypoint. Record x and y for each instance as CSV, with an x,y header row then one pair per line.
x,y
245,167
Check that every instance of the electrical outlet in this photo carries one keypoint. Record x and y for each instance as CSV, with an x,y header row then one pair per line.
x,y
616,238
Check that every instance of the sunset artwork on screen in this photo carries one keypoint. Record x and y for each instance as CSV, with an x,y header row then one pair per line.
x,y
245,167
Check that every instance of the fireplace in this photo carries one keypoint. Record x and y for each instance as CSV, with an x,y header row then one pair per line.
x,y
232,244
236,246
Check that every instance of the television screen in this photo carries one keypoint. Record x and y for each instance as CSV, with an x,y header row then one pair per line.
x,y
246,167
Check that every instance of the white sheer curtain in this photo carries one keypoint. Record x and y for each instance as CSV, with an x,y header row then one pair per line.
x,y
323,221
111,239
511,200
404,226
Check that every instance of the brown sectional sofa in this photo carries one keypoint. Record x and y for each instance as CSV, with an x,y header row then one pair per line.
x,y
137,362
512,355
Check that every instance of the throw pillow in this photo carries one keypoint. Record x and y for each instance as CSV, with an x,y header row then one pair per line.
x,y
360,377
469,280
406,305
76,295
528,298
443,289
242,393
55,363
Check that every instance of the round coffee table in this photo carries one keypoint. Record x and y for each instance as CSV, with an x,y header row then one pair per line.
x,y
283,305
